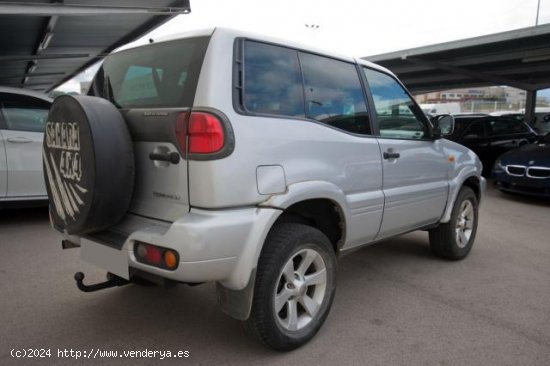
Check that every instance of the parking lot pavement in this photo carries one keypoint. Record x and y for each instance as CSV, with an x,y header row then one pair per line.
x,y
395,305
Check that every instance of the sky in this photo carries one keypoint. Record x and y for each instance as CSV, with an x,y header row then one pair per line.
x,y
359,28
363,28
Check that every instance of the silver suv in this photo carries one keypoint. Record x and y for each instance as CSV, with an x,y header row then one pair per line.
x,y
254,163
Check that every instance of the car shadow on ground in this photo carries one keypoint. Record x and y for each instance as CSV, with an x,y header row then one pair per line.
x,y
185,317
519,198
16,215
188,316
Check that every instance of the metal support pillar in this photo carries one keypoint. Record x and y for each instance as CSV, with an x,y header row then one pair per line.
x,y
530,105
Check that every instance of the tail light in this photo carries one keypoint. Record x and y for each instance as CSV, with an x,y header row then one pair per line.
x,y
156,256
206,133
153,255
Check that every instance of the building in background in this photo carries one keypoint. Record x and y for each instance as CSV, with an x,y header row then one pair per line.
x,y
482,100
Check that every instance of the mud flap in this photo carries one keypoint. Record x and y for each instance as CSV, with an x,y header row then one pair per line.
x,y
237,303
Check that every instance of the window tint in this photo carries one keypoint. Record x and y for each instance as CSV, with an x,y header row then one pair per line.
x,y
157,75
25,114
272,84
396,113
506,127
475,130
334,94
139,84
544,125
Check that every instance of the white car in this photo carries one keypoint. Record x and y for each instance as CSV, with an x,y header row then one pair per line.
x,y
235,158
23,115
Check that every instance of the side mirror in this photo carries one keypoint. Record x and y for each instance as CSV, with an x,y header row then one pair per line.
x,y
444,125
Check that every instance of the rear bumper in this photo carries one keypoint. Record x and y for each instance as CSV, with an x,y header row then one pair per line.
x,y
221,245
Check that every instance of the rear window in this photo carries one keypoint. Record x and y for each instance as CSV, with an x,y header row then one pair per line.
x,y
507,127
158,75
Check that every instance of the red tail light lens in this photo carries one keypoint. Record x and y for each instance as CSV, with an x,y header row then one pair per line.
x,y
206,133
154,255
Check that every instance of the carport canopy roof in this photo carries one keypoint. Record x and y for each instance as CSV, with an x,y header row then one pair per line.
x,y
518,58
44,43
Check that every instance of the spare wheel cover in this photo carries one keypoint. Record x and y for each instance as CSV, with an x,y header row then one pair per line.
x,y
88,164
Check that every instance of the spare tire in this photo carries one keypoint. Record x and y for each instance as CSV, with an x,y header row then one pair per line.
x,y
88,164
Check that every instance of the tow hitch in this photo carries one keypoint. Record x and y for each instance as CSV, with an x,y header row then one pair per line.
x,y
112,281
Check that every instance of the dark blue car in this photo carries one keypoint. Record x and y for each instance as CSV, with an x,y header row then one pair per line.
x,y
525,170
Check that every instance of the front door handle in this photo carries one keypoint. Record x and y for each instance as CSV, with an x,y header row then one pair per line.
x,y
391,155
19,140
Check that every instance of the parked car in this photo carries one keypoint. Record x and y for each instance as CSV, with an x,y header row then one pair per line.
x,y
470,114
235,158
510,114
542,123
491,136
23,115
525,170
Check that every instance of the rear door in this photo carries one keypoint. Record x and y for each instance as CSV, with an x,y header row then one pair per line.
x,y
414,166
505,134
154,87
23,131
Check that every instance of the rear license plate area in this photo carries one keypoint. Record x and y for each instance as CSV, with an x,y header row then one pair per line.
x,y
105,257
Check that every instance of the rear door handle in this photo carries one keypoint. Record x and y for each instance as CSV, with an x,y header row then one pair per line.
x,y
170,157
391,155
19,140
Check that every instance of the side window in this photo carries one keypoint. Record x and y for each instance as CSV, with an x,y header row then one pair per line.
x,y
272,80
506,127
334,94
25,114
396,113
475,130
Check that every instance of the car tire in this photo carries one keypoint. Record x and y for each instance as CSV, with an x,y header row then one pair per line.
x,y
294,288
454,240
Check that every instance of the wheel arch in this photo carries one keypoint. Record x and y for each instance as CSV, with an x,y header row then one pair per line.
x,y
299,204
474,183
318,204
468,179
320,213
